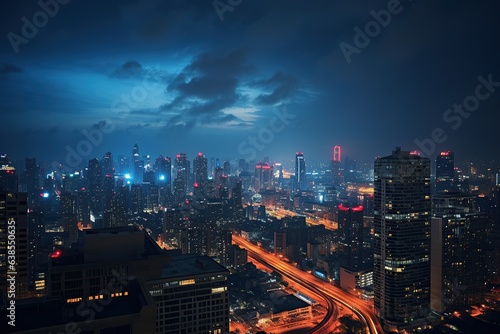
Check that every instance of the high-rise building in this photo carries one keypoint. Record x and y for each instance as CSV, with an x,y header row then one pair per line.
x,y
445,172
350,231
300,172
94,186
182,167
458,270
32,181
402,240
264,176
8,175
69,213
227,168
107,164
14,249
164,172
200,169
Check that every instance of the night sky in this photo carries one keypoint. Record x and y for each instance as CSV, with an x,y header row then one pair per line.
x,y
183,76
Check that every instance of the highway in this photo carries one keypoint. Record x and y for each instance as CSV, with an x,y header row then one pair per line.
x,y
357,306
310,219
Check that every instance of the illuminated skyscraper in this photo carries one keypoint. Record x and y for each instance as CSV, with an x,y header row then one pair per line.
x,y
200,168
263,176
300,172
32,181
8,175
13,217
94,186
445,172
458,270
69,212
335,176
182,166
402,240
351,235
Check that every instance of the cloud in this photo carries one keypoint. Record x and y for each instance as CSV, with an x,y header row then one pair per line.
x,y
129,70
6,69
282,87
206,87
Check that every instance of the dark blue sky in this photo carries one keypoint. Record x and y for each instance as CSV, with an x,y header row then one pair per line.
x,y
173,76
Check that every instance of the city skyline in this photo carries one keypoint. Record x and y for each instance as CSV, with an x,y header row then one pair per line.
x,y
252,79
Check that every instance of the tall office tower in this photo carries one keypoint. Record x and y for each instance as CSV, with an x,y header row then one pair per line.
x,y
242,165
94,186
179,189
227,168
280,243
200,169
182,166
136,203
402,209
458,239
107,164
163,168
14,228
300,172
218,173
32,182
279,171
350,231
69,213
84,207
120,206
445,172
153,198
335,176
8,175
135,153
264,176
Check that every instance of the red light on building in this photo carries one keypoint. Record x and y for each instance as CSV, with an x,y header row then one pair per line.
x,y
357,208
196,185
415,153
336,153
56,254
444,154
200,154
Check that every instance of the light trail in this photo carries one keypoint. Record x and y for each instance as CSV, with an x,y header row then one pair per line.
x,y
370,321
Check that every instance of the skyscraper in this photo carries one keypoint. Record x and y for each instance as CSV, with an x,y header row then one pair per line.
x,y
32,181
300,172
14,221
402,240
8,175
263,176
182,167
458,269
200,168
351,234
445,172
69,212
95,186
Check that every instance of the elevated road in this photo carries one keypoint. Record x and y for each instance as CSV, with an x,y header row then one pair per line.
x,y
357,306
